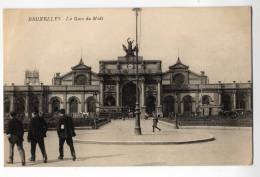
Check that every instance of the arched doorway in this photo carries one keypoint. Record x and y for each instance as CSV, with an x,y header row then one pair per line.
x,y
206,110
55,104
168,106
110,101
34,104
73,105
80,80
226,102
129,96
20,105
240,101
187,105
150,104
91,104
7,105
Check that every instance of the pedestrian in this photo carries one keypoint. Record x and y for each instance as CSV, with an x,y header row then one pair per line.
x,y
155,122
36,134
65,130
15,134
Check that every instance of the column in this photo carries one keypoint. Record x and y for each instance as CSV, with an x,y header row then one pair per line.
x,y
11,102
159,96
234,100
65,107
117,93
249,100
27,106
219,98
83,102
101,93
40,103
142,93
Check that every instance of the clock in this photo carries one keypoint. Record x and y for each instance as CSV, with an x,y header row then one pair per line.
x,y
130,66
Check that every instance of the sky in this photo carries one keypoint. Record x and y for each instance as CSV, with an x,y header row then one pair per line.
x,y
216,40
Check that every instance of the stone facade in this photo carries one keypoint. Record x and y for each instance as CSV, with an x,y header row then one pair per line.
x,y
178,91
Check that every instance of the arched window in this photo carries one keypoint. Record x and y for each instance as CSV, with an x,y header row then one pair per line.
x,y
80,80
19,105
73,104
110,101
55,104
91,104
206,100
168,106
226,102
7,104
187,105
34,104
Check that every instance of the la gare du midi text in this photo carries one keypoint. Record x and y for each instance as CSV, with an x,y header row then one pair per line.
x,y
55,19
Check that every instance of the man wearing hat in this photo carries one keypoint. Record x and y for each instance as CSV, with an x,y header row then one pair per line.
x,y
15,133
65,130
36,134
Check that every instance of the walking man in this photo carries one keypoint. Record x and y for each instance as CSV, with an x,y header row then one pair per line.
x,y
36,134
15,133
65,130
155,122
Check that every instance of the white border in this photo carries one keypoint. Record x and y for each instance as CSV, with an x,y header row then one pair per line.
x,y
178,171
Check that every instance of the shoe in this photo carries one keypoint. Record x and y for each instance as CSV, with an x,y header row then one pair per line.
x,y
60,158
10,162
23,163
74,158
32,159
45,160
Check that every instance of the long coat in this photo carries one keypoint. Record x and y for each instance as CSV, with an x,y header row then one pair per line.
x,y
37,129
65,127
15,129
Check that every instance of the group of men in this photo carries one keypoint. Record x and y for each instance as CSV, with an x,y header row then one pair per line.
x,y
36,133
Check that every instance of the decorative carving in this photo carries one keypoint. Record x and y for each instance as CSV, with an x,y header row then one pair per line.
x,y
130,49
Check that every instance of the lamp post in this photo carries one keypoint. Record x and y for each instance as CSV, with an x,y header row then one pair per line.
x,y
138,130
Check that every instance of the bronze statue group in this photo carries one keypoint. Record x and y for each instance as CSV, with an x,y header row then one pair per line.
x,y
36,133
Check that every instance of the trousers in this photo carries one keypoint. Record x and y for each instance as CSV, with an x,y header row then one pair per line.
x,y
19,145
69,142
41,144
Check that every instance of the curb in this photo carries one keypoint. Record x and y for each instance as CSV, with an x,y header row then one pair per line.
x,y
144,142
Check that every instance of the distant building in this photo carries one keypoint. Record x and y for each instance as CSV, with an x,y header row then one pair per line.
x,y
32,77
177,91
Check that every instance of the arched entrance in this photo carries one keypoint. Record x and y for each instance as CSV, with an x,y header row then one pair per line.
x,y
206,110
150,104
91,104
20,105
226,102
55,104
7,104
34,104
187,105
129,96
240,101
73,105
168,106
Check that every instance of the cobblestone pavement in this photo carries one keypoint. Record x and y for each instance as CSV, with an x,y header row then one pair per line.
x,y
231,147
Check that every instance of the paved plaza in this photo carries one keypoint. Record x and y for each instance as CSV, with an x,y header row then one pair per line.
x,y
231,146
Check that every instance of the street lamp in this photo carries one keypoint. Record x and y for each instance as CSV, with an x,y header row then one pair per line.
x,y
138,130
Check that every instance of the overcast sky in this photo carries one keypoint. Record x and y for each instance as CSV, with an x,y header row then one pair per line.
x,y
215,40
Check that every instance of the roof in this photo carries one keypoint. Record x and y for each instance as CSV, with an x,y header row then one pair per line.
x,y
81,66
179,65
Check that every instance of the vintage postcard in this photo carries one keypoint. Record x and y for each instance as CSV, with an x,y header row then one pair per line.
x,y
127,87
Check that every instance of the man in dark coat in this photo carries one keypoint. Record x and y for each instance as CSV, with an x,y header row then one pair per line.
x,y
36,134
15,133
155,122
65,130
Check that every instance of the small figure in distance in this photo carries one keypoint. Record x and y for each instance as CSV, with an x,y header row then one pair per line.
x,y
36,134
155,122
15,134
65,130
